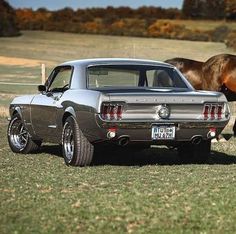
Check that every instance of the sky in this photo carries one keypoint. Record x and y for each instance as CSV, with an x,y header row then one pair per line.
x,y
59,4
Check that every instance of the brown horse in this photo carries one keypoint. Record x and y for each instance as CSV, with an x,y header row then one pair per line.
x,y
220,70
218,73
191,69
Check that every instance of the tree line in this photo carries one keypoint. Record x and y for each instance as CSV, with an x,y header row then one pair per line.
x,y
8,21
98,19
91,18
144,21
209,9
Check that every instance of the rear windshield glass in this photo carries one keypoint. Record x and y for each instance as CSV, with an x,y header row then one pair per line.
x,y
133,76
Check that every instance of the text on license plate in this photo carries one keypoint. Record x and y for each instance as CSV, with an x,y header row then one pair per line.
x,y
163,132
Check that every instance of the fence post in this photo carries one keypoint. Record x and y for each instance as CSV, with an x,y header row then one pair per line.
x,y
43,73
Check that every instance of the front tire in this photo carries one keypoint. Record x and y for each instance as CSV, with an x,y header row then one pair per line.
x,y
77,150
191,153
19,138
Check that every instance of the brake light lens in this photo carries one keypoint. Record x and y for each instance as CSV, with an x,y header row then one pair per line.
x,y
119,112
104,111
206,111
219,112
213,111
111,111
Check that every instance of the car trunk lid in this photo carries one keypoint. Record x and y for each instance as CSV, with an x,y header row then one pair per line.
x,y
145,106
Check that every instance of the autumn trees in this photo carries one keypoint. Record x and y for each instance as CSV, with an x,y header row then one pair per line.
x,y
230,9
209,9
8,25
203,9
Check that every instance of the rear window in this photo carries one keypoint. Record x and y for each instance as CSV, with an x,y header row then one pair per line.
x,y
133,76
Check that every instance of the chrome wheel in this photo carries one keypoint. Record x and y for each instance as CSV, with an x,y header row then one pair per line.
x,y
19,139
68,142
19,136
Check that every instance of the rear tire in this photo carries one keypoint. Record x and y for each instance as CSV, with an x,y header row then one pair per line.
x,y
77,150
190,153
19,138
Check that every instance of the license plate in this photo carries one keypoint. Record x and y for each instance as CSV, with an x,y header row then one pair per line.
x,y
163,132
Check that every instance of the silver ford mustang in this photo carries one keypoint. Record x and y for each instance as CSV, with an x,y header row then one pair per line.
x,y
114,103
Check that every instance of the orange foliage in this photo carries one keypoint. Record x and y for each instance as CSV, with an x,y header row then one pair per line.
x,y
29,19
165,29
118,24
92,27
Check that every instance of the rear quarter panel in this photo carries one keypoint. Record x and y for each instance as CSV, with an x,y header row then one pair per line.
x,y
85,104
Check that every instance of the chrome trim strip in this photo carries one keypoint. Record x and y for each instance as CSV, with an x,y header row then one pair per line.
x,y
52,126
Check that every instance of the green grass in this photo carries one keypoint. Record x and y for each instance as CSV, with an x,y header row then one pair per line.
x,y
56,47
148,192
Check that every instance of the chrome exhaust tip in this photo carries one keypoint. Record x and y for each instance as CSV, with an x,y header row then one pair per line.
x,y
123,141
196,140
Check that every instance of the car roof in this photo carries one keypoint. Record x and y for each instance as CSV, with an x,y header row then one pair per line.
x,y
114,61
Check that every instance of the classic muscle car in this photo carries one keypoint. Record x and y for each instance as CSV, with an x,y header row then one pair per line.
x,y
114,103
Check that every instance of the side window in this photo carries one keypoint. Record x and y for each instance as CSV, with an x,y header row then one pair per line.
x,y
61,79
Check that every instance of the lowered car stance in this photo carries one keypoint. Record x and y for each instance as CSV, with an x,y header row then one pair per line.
x,y
114,103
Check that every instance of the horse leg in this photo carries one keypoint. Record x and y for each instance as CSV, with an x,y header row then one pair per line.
x,y
229,94
229,81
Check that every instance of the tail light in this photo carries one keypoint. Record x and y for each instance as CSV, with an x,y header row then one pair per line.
x,y
119,112
206,111
213,111
112,111
219,112
104,111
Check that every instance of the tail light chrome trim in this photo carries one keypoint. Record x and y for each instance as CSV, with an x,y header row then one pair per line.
x,y
206,111
112,111
213,111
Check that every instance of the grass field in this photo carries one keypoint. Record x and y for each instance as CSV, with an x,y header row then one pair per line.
x,y
146,192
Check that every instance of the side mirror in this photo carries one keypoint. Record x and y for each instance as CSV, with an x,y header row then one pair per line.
x,y
42,88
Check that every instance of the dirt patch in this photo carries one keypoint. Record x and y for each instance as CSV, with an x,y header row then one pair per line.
x,y
7,95
12,61
4,112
